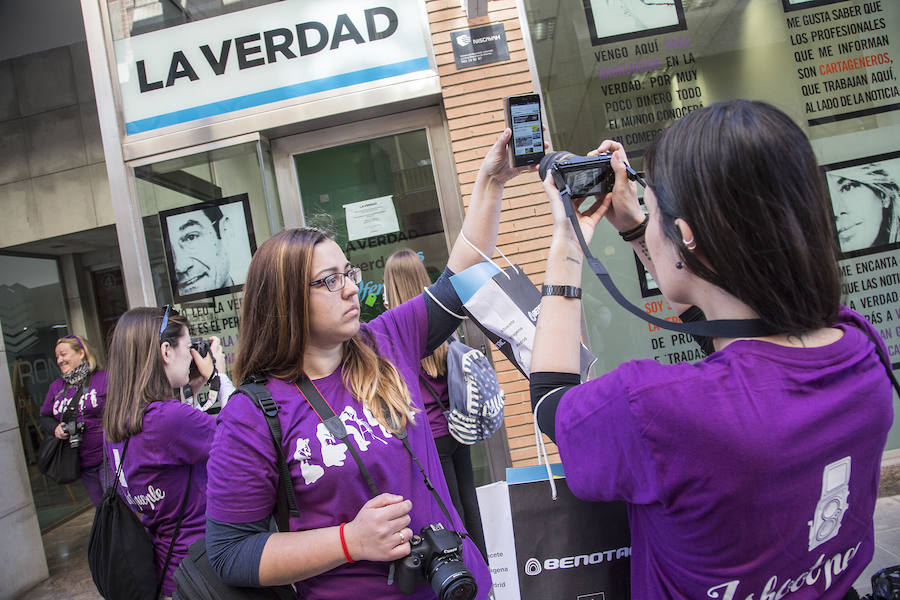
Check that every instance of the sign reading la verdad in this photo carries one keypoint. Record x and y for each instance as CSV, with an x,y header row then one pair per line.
x,y
258,56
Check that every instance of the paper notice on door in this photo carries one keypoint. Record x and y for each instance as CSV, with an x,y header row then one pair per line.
x,y
369,218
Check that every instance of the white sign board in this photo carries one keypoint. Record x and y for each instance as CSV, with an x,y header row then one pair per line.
x,y
371,217
250,58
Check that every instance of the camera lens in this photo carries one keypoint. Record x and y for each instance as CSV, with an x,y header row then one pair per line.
x,y
450,580
550,159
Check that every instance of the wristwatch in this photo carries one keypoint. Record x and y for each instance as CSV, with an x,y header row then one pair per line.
x,y
567,291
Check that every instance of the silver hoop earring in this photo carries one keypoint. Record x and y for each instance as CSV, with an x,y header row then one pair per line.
x,y
689,244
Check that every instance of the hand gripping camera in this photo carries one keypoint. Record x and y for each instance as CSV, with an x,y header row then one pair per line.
x,y
435,556
75,431
202,348
584,175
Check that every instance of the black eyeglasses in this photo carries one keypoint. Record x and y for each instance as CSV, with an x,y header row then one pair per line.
x,y
335,282
165,322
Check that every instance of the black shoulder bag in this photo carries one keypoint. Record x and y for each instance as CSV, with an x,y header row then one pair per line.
x,y
120,553
58,459
195,578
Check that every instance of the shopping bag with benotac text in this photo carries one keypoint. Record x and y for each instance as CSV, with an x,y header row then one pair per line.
x,y
505,305
564,548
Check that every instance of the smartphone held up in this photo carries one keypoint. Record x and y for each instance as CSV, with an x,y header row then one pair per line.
x,y
523,117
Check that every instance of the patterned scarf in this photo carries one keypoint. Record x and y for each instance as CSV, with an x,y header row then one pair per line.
x,y
77,375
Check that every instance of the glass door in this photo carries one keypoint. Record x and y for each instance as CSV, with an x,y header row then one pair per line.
x,y
380,186
33,318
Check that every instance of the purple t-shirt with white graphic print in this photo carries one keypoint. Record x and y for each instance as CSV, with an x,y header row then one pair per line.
x,y
328,485
89,410
154,478
753,473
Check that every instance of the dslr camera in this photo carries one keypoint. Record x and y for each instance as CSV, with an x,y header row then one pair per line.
x,y
202,348
75,431
435,556
584,175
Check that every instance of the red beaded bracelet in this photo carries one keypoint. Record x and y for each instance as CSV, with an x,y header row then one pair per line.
x,y
344,544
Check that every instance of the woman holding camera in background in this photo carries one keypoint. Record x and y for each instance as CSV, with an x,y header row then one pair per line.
x,y
161,443
404,278
73,408
754,472
301,318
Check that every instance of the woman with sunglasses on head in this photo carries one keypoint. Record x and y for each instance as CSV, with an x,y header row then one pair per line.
x,y
158,444
754,472
300,318
73,408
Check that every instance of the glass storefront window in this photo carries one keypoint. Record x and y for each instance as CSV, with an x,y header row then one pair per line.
x,y
624,70
377,196
203,217
33,317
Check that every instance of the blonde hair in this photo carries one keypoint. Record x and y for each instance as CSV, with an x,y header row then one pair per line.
x,y
137,375
275,312
404,278
76,343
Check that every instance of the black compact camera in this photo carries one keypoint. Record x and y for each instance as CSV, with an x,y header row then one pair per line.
x,y
584,175
435,556
75,431
202,348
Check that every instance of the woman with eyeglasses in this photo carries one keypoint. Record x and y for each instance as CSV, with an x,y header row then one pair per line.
x,y
156,443
73,408
300,318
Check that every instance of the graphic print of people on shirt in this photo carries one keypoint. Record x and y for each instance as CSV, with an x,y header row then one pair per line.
x,y
333,450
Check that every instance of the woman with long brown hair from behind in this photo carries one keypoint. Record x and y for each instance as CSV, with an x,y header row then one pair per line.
x,y
161,443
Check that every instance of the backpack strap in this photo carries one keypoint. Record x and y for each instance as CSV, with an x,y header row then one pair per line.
x,y
334,425
286,503
187,492
433,393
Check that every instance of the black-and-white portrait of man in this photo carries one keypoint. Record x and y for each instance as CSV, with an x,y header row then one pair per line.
x,y
865,199
208,246
617,20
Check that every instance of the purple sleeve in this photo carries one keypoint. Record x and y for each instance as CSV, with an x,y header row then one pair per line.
x,y
47,408
403,329
193,429
243,479
599,415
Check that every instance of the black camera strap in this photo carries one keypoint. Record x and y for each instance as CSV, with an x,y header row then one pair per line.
x,y
336,427
729,328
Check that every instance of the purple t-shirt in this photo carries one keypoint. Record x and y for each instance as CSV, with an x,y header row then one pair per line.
x,y
154,478
753,473
433,409
328,485
89,409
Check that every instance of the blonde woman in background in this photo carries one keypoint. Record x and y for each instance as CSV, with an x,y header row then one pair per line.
x,y
73,408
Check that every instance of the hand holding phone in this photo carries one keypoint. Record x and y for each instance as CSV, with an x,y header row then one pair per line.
x,y
523,117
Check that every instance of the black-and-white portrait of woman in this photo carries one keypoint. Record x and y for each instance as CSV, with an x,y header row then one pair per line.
x,y
617,20
865,199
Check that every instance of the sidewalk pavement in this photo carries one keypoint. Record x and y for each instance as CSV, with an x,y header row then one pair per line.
x,y
70,578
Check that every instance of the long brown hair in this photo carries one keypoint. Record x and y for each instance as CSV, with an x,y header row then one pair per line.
x,y
275,318
404,278
136,373
78,342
